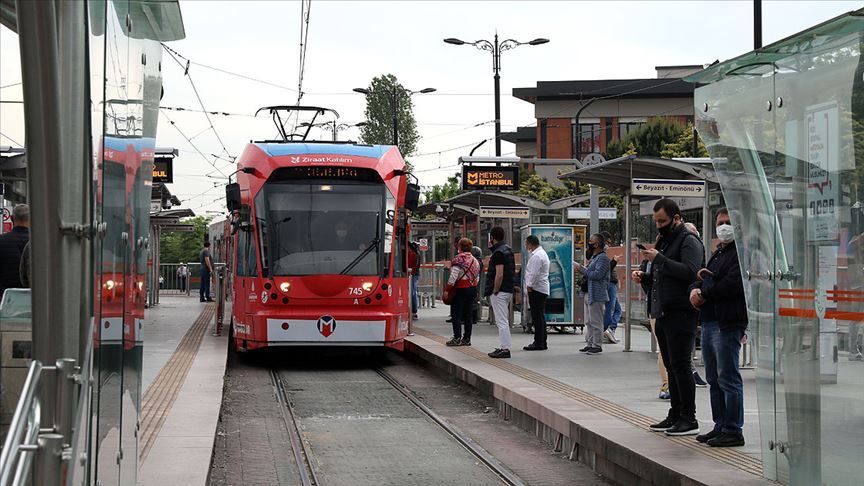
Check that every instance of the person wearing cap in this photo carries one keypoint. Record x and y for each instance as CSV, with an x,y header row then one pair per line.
x,y
12,247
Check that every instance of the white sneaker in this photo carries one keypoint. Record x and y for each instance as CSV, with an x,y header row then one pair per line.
x,y
610,335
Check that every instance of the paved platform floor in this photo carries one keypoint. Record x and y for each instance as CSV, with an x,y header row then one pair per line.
x,y
629,379
174,343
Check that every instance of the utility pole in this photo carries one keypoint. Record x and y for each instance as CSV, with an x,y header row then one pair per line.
x,y
757,24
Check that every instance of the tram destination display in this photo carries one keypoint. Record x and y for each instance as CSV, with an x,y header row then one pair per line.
x,y
490,178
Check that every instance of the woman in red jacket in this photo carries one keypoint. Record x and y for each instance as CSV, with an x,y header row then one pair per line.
x,y
464,274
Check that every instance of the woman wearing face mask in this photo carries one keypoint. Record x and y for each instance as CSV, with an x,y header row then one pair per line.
x,y
597,273
719,295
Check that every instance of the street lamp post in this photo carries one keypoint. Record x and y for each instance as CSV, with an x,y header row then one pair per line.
x,y
394,105
496,49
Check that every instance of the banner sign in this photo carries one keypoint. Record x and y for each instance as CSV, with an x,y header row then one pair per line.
x,y
667,188
505,212
430,226
475,178
163,170
823,172
585,213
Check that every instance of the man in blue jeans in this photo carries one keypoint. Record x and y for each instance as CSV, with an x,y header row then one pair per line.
x,y
719,294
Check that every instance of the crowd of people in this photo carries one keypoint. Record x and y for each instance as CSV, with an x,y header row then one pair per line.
x,y
685,295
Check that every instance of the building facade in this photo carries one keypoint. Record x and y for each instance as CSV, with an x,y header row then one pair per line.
x,y
576,118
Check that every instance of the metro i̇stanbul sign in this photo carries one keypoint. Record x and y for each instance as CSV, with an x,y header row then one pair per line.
x,y
495,178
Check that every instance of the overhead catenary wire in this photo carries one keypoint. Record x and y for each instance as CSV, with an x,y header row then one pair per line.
x,y
7,137
173,124
200,101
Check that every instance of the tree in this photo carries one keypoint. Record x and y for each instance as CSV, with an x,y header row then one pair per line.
x,y
683,146
444,191
648,139
383,91
540,189
184,247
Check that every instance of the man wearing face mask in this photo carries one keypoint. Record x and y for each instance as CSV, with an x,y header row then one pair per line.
x,y
675,259
719,294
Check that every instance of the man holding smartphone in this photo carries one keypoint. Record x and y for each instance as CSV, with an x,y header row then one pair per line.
x,y
719,294
674,261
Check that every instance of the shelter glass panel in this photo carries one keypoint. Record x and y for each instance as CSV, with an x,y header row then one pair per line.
x,y
786,142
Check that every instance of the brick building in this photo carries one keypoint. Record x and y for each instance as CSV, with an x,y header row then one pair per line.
x,y
618,106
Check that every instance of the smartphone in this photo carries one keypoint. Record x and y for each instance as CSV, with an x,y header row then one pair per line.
x,y
641,246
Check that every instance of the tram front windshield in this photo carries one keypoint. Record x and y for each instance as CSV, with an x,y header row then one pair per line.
x,y
320,227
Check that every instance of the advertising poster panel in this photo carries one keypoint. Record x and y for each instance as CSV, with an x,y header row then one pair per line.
x,y
558,242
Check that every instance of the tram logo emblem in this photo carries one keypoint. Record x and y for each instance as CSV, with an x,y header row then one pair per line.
x,y
295,160
326,325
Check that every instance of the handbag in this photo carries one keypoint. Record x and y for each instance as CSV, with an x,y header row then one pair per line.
x,y
447,294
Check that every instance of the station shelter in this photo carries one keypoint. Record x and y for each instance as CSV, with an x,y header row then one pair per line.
x,y
783,125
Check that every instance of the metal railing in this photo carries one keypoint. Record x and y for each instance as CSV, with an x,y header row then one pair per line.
x,y
29,449
173,284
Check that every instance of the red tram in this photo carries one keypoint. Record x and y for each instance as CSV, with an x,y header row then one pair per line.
x,y
321,240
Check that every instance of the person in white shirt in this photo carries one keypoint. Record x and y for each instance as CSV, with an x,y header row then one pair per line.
x,y
537,286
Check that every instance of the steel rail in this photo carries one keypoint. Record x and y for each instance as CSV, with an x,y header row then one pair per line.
x,y
308,477
504,473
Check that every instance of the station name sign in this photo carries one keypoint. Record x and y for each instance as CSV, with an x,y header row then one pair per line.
x,y
667,188
163,170
475,178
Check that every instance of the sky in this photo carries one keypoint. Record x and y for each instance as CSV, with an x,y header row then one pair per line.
x,y
349,43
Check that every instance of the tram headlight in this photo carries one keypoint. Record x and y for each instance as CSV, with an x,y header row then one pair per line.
x,y
140,286
284,287
109,285
367,286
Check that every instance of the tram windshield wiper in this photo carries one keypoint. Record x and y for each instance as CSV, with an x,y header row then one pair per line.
x,y
372,245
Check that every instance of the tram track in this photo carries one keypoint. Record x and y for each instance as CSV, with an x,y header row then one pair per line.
x,y
505,474
303,456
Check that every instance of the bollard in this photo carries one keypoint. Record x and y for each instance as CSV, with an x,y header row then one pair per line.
x,y
220,299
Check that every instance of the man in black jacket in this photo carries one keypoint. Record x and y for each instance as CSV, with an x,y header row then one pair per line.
x,y
675,259
719,294
11,246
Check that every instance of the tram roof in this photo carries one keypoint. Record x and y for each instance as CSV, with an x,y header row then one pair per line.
x,y
276,149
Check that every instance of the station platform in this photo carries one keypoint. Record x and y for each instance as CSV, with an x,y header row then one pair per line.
x,y
597,408
182,378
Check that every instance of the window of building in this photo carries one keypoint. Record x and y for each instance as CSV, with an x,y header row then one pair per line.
x,y
625,128
587,136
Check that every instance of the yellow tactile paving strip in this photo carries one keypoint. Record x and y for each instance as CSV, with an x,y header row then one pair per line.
x,y
160,396
728,456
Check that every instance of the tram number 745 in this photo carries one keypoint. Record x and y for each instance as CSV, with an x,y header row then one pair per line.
x,y
355,290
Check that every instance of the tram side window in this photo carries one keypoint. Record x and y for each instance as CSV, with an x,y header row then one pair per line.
x,y
251,257
242,243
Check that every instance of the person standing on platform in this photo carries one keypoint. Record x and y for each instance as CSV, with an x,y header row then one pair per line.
x,y
596,271
537,288
500,283
464,274
206,272
719,296
612,313
182,273
12,247
675,259
414,271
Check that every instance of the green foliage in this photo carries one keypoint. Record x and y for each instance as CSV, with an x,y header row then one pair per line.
x,y
379,115
683,146
648,140
539,188
444,191
184,247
